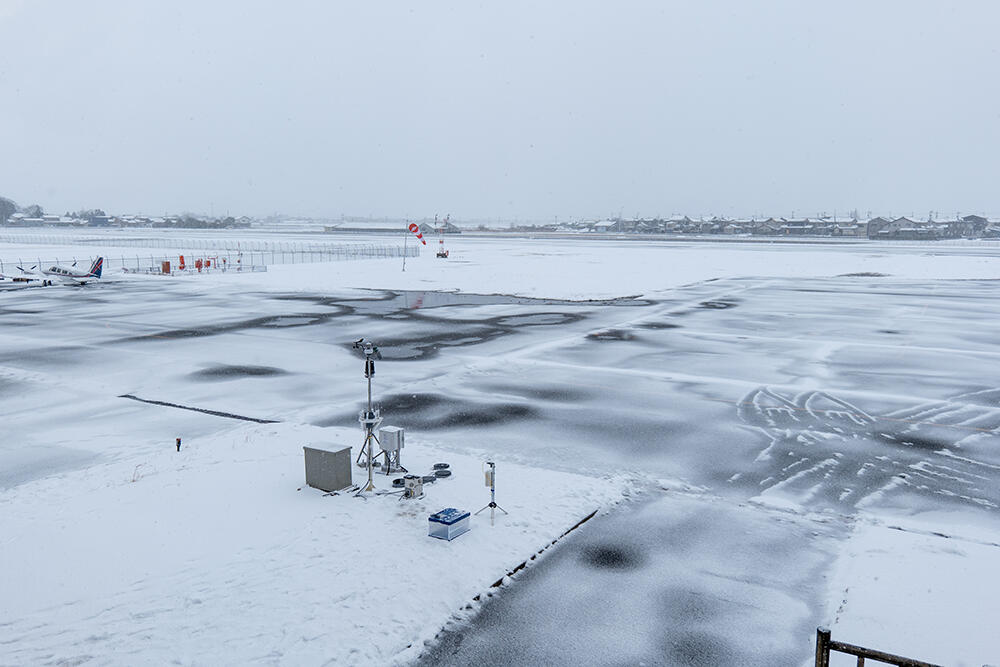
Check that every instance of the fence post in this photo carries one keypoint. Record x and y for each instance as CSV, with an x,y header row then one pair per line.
x,y
822,647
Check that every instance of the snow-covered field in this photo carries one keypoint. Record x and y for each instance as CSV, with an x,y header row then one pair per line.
x,y
808,434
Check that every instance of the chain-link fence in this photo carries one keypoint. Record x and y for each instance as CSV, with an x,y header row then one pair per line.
x,y
228,245
210,259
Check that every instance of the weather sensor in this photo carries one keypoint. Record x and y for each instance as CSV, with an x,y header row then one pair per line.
x,y
490,474
371,417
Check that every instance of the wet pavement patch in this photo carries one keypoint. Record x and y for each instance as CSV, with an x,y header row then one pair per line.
x,y
536,319
612,557
699,649
385,302
297,320
685,605
18,311
720,304
52,357
612,335
415,307
658,325
908,439
217,373
430,411
271,322
556,394
463,332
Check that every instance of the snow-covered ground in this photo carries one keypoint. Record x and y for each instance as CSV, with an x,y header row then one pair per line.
x,y
219,554
832,405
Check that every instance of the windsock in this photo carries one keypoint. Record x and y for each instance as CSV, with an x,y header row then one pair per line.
x,y
416,230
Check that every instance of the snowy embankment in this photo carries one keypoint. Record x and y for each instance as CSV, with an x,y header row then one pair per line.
x,y
578,269
219,554
582,270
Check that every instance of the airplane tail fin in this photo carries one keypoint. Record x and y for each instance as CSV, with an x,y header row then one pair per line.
x,y
95,268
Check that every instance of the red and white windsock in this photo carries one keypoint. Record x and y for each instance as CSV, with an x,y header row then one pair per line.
x,y
416,230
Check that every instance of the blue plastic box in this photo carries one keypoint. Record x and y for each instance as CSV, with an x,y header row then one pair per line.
x,y
448,524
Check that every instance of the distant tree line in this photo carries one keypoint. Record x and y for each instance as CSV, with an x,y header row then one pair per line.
x,y
86,214
9,207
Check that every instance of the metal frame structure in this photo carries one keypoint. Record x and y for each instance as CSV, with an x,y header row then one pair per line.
x,y
824,645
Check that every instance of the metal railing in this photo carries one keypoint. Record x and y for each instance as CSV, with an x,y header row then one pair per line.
x,y
824,645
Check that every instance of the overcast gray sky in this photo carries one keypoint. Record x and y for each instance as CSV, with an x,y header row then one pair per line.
x,y
501,109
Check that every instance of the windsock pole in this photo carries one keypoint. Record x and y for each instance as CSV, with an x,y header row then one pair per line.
x,y
416,230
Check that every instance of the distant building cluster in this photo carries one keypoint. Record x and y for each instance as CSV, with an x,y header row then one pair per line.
x,y
125,221
427,228
970,226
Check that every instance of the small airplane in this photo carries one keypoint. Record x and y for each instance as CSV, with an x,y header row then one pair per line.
x,y
70,275
66,275
27,278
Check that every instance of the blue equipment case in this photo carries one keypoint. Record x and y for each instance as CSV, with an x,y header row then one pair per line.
x,y
448,524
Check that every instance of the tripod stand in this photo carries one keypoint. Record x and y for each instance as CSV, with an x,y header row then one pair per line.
x,y
491,478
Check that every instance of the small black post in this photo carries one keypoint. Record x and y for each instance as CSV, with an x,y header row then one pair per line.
x,y
178,444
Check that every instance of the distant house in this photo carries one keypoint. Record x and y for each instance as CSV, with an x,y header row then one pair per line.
x,y
878,228
606,226
804,227
850,228
977,220
646,227
769,227
713,226
971,226
905,229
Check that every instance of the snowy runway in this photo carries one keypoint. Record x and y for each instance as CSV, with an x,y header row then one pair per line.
x,y
762,387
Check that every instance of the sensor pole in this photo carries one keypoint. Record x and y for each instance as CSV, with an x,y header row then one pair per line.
x,y
369,418
491,478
